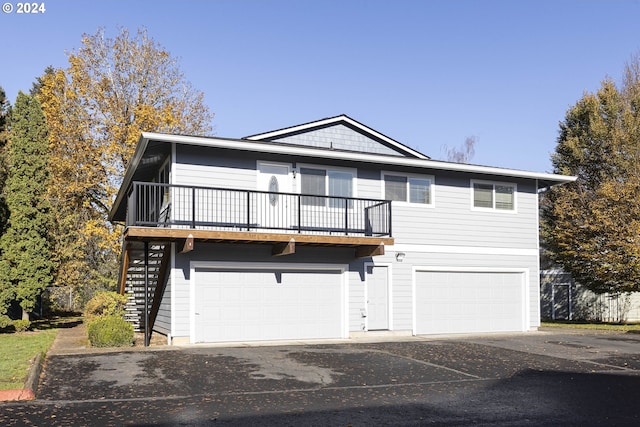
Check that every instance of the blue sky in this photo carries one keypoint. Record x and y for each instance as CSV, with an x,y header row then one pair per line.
x,y
426,73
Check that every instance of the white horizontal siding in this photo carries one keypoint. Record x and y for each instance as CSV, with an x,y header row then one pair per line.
x,y
163,318
214,176
369,186
452,221
209,168
356,297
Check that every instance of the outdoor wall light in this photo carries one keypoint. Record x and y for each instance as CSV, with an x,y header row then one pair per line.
x,y
400,256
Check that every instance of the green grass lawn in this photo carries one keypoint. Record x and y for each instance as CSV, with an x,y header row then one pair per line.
x,y
631,327
16,352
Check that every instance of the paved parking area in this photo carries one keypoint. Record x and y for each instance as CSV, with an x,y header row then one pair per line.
x,y
542,378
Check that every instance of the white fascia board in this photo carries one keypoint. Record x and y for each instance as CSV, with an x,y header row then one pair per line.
x,y
297,128
337,119
265,147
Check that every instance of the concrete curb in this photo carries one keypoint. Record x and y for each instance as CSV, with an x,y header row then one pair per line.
x,y
30,385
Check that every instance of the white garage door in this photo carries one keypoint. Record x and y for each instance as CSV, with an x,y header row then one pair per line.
x,y
251,305
469,302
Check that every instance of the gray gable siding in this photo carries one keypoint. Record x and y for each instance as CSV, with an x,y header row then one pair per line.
x,y
339,137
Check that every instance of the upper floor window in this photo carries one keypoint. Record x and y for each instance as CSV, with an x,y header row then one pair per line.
x,y
416,189
494,195
326,182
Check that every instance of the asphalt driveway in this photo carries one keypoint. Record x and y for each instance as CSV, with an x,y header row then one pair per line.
x,y
543,378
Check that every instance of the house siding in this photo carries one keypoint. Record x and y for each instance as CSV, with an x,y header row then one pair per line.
x,y
163,318
339,137
207,167
452,221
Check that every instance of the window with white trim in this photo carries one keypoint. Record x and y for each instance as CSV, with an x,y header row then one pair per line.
x,y
325,182
499,196
414,189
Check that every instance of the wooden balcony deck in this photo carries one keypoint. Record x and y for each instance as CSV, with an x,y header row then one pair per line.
x,y
283,243
186,214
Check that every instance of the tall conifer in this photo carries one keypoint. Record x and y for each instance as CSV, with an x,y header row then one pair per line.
x,y
25,263
6,292
4,138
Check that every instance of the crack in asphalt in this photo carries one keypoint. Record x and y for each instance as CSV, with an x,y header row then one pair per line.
x,y
433,365
242,393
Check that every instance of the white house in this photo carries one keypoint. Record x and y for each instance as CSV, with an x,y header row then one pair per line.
x,y
328,229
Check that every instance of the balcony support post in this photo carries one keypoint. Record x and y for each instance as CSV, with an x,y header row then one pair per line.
x,y
146,294
389,218
248,211
346,217
367,223
299,214
193,207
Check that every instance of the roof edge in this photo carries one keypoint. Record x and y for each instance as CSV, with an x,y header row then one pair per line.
x,y
261,146
547,179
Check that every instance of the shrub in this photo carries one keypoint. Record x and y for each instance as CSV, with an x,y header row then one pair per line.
x,y
105,304
110,331
21,325
4,321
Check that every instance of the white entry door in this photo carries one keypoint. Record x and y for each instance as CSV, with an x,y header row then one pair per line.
x,y
377,298
274,211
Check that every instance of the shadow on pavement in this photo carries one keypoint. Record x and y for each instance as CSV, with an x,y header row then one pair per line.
x,y
529,397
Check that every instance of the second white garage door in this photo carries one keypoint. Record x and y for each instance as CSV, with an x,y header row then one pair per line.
x,y
469,302
253,305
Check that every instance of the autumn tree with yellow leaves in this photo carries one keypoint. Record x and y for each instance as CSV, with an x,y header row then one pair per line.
x,y
591,227
113,89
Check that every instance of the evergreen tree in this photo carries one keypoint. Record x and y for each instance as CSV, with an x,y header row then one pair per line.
x,y
6,294
25,264
4,139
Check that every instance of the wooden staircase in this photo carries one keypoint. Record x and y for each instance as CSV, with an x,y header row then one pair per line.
x,y
132,280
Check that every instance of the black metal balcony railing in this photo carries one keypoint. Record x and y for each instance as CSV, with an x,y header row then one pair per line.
x,y
178,206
